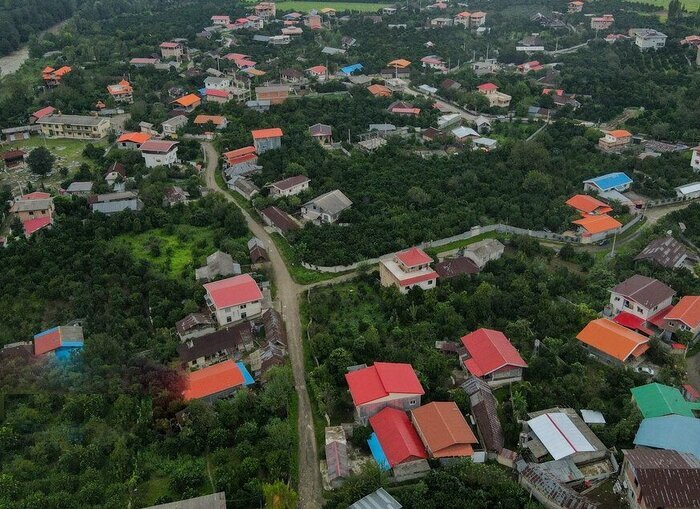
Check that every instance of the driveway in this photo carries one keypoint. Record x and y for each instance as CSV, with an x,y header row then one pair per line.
x,y
287,300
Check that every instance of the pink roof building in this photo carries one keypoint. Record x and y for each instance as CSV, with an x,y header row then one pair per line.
x,y
234,299
491,357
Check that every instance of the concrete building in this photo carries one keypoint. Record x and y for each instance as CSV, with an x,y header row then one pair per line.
x,y
496,99
689,191
648,38
326,208
267,139
111,203
79,127
289,186
171,125
234,299
159,153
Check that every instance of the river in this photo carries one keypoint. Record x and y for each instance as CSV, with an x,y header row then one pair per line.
x,y
9,64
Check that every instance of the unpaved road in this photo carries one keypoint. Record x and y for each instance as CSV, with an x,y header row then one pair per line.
x,y
310,487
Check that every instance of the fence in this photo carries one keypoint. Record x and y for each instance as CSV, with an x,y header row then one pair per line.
x,y
669,201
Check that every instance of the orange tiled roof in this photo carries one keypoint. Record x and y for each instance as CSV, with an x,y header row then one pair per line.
x,y
213,379
215,119
687,311
598,224
613,339
188,100
273,132
588,204
401,63
379,90
620,133
134,138
317,69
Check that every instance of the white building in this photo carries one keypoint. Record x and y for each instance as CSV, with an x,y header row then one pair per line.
x,y
640,296
234,299
171,125
326,208
159,153
695,158
289,186
217,83
689,190
648,38
408,269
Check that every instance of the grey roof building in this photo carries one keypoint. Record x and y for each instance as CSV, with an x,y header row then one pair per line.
x,y
668,253
219,264
214,501
327,207
111,203
79,187
380,499
483,252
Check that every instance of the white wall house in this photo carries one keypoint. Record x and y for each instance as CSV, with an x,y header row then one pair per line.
x,y
234,299
695,159
159,153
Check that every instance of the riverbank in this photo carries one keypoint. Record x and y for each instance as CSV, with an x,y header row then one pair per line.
x,y
10,64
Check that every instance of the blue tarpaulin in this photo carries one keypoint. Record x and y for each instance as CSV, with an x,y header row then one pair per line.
x,y
349,69
247,377
378,452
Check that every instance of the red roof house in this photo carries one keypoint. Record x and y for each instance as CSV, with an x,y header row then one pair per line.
x,y
588,205
398,438
385,384
234,299
492,357
684,316
408,269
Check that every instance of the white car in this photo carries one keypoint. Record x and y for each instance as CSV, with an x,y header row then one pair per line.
x,y
646,370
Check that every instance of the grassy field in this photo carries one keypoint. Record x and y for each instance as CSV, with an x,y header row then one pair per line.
x,y
299,273
690,5
173,252
302,6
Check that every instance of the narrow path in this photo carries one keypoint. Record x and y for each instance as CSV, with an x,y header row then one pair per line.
x,y
310,487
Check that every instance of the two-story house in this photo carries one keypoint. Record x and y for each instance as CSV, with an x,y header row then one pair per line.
x,y
276,94
684,316
234,299
34,210
74,126
159,153
695,159
648,38
496,99
384,384
489,355
121,92
172,51
290,186
641,302
408,269
615,141
267,139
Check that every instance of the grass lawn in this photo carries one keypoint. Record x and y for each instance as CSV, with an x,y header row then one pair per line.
x,y
690,5
69,153
173,252
302,6
462,243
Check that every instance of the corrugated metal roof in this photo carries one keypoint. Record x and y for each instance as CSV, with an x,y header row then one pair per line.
x,y
559,435
674,432
380,499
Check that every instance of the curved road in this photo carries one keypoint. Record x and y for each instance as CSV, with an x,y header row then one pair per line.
x,y
310,487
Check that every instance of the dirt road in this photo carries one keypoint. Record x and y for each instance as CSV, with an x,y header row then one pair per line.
x,y
287,299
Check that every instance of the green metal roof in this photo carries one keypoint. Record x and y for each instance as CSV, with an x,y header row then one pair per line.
x,y
656,400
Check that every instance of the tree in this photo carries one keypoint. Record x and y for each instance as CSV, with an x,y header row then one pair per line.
x,y
279,496
41,161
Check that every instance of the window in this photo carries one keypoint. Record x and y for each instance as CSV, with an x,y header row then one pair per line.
x,y
639,309
430,282
243,315
229,319
412,402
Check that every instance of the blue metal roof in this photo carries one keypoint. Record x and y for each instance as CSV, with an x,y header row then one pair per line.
x,y
674,432
610,181
247,377
349,69
378,452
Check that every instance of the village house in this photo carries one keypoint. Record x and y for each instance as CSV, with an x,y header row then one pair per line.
x,y
575,6
219,264
320,72
496,99
612,343
594,228
171,126
276,94
278,220
234,299
217,83
587,205
188,103
658,400
172,51
396,446
220,20
462,18
453,267
243,186
440,22
615,141
216,96
293,76
218,121
292,30
14,159
695,159
533,65
489,355
61,342
241,161
477,19
79,188
641,302
379,90
34,210
684,316
385,384
326,208
52,77
112,203
224,344
322,133
482,252
132,141
266,10
174,195
121,92
257,252
115,174
289,186
19,133
463,134
688,191
337,461
608,183
561,98
267,139
144,62
679,433
443,430
408,269
404,109
74,126
668,253
602,22
159,153
194,325
648,38
654,478
216,381
39,114
530,44
379,498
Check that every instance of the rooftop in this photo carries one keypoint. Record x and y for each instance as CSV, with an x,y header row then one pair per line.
x,y
215,379
687,311
609,181
489,351
598,224
613,339
79,120
332,202
655,400
380,380
290,182
259,134
666,251
444,430
397,436
644,290
233,291
671,432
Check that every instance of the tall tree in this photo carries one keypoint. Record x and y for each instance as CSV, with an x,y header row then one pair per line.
x,y
41,161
